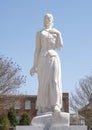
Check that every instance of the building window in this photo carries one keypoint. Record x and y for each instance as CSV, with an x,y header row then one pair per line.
x,y
17,105
27,105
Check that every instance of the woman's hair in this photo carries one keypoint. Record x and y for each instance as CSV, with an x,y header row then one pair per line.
x,y
50,16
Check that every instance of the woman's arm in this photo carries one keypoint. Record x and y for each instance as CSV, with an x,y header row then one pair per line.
x,y
36,54
59,43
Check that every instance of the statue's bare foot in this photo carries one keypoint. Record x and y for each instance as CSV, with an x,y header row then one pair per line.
x,y
56,109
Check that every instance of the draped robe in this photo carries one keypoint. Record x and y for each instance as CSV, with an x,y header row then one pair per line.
x,y
48,67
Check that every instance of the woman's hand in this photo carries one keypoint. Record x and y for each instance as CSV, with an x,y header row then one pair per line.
x,y
32,71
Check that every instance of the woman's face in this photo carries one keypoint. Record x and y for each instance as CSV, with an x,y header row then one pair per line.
x,y
48,21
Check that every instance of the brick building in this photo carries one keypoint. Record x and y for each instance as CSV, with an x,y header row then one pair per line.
x,y
87,113
26,103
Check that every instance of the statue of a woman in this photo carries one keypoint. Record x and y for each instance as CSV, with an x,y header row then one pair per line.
x,y
47,66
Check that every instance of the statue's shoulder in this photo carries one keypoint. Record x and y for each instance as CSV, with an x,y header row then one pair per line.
x,y
56,31
39,32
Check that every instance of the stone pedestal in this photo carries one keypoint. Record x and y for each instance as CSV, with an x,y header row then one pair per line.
x,y
52,128
51,121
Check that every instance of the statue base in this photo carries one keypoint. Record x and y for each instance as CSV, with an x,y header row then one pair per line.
x,y
74,127
51,121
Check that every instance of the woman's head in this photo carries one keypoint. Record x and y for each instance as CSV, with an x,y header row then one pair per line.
x,y
48,20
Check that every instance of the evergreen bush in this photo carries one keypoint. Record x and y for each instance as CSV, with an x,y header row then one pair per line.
x,y
4,122
12,117
25,119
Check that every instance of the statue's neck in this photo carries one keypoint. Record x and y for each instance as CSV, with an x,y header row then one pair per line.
x,y
48,28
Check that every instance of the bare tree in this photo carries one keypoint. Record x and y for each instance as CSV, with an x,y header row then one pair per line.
x,y
10,78
82,94
10,81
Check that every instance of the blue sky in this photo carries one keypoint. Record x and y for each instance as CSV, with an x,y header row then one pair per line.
x,y
21,19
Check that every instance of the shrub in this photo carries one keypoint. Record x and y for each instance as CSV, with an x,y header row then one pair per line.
x,y
12,117
4,122
25,119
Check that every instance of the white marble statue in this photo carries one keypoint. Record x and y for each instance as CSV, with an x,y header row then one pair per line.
x,y
48,68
